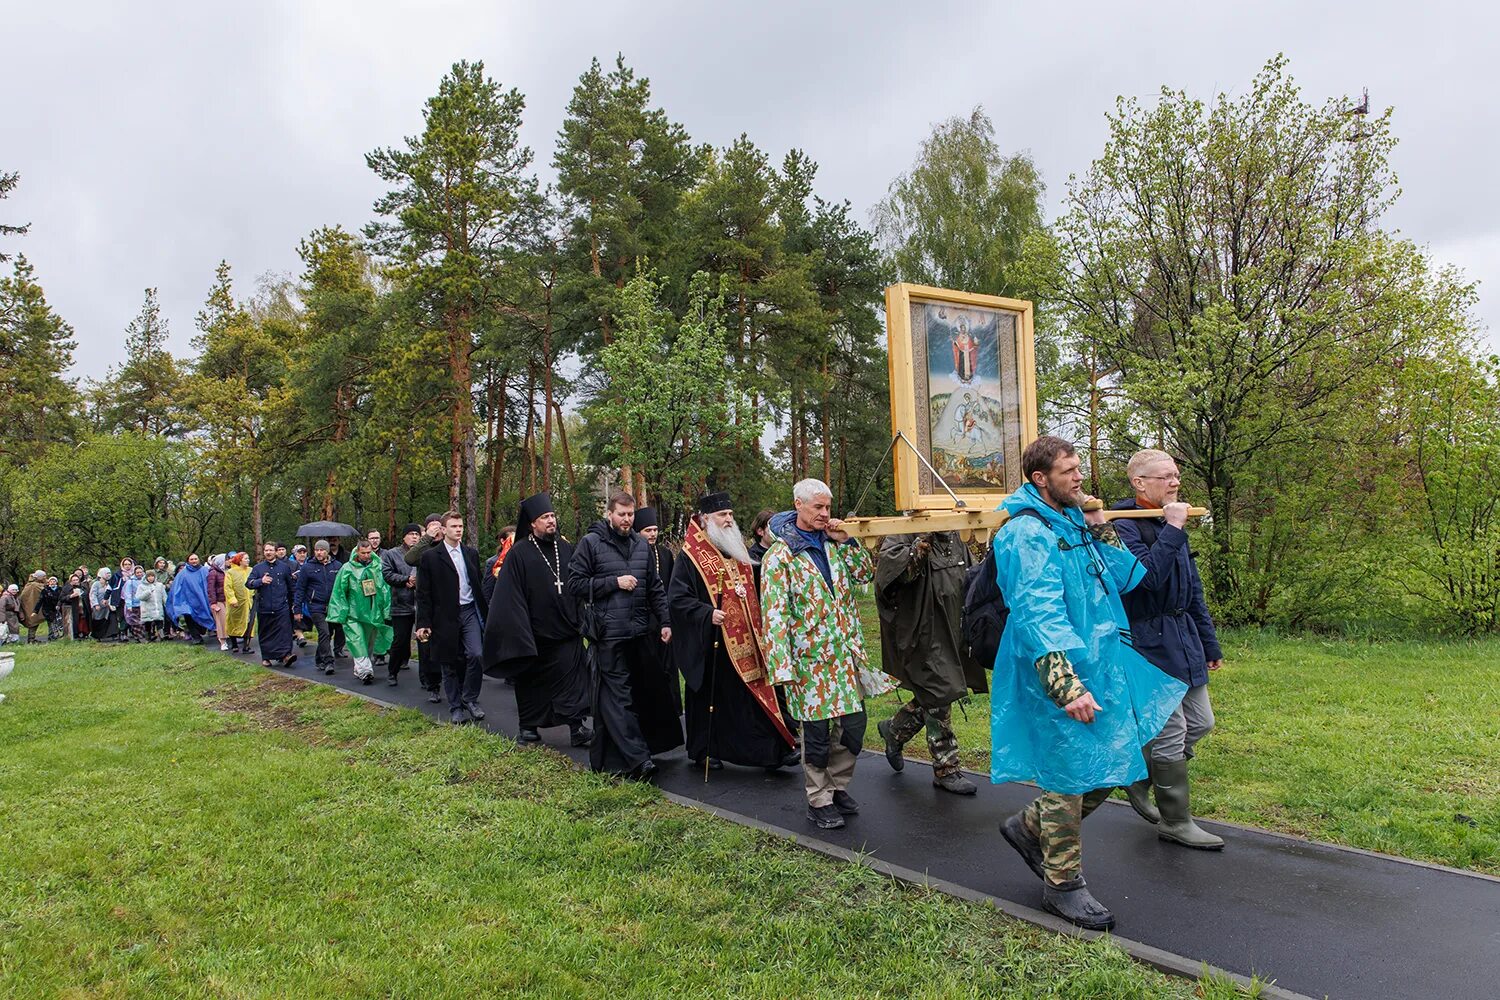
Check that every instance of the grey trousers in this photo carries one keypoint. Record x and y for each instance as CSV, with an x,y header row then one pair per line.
x,y
1192,720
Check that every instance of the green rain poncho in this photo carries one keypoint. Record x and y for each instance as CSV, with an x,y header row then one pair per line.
x,y
361,602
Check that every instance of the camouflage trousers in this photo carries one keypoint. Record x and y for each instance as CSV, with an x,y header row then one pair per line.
x,y
1057,822
942,744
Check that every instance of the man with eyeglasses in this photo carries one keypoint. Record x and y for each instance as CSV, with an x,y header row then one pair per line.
x,y
1073,704
1173,629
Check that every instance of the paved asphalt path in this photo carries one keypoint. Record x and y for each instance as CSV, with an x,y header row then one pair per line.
x,y
1317,919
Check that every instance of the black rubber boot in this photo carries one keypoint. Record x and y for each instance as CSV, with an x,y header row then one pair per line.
x,y
892,748
1074,903
1170,779
1024,841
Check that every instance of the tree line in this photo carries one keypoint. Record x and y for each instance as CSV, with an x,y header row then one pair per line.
x,y
671,317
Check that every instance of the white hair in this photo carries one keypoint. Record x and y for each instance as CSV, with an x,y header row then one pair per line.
x,y
809,489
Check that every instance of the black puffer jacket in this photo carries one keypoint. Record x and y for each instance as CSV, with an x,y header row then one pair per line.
x,y
602,557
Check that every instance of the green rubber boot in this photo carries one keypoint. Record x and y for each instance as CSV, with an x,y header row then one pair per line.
x,y
1139,794
1170,779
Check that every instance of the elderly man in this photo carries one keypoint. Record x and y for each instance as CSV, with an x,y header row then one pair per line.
x,y
1073,703
531,634
311,589
815,645
359,603
919,589
718,642
1172,628
271,579
613,573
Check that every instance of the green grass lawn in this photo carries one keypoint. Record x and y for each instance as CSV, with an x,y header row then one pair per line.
x,y
1387,746
179,825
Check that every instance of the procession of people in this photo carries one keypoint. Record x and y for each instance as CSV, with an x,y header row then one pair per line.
x,y
754,655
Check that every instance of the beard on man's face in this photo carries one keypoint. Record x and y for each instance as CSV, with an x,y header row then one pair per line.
x,y
544,534
727,539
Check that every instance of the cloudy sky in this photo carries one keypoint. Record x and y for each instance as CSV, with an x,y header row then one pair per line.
x,y
154,139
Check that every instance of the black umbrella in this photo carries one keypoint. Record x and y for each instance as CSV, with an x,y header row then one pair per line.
x,y
326,529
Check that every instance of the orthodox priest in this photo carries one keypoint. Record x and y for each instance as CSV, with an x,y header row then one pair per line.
x,y
271,579
649,528
531,634
732,711
919,590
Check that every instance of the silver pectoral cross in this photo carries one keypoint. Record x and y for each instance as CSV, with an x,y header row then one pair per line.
x,y
558,585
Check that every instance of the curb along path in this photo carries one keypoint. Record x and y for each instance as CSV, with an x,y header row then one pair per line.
x,y
1318,919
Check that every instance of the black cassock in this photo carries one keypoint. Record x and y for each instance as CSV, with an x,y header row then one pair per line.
x,y
531,636
666,563
739,731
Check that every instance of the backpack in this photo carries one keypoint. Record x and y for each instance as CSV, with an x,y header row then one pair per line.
x,y
985,612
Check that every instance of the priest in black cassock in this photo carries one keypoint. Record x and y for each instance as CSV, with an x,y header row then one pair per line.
x,y
531,634
732,711
661,556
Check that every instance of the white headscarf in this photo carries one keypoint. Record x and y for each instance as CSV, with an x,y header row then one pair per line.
x,y
217,562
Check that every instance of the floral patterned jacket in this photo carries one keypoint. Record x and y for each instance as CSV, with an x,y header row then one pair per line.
x,y
814,643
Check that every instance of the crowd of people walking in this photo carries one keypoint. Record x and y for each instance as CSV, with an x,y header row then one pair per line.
x,y
754,655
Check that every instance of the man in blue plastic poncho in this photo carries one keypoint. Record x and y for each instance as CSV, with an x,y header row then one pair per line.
x,y
1073,703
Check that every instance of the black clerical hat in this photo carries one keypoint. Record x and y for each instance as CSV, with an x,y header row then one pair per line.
x,y
715,502
645,517
532,508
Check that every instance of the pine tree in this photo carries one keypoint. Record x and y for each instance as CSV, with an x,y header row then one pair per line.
x,y
142,391
7,183
455,195
38,402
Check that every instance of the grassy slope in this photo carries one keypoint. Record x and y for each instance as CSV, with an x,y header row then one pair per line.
x,y
1388,746
176,825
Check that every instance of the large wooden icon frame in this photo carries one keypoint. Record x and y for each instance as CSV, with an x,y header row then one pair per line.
x,y
963,393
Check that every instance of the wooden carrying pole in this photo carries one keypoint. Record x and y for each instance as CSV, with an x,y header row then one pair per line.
x,y
968,523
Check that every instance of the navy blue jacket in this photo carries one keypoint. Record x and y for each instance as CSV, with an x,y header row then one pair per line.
x,y
274,597
314,586
1168,616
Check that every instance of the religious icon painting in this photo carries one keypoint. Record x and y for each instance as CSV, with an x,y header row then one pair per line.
x,y
963,392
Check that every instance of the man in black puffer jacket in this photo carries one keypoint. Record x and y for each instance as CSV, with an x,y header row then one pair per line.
x,y
614,576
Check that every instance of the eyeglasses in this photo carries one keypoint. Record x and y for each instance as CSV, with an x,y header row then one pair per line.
x,y
1175,477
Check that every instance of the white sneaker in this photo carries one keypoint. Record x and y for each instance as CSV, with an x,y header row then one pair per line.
x,y
223,647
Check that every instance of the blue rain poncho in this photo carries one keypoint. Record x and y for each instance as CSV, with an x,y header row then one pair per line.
x,y
1066,598
189,596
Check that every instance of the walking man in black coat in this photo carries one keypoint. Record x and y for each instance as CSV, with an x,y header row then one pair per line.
x,y
448,615
613,573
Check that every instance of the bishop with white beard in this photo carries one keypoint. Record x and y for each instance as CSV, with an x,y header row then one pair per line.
x,y
731,708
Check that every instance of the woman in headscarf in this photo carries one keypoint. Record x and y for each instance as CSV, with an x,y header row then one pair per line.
x,y
99,608
237,596
216,603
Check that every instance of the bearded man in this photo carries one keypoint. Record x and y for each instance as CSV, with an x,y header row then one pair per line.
x,y
531,635
1073,702
718,644
647,526
361,602
919,589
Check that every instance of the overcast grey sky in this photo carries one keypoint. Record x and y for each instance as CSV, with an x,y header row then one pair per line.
x,y
154,139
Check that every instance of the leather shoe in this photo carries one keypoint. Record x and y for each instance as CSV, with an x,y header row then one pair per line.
x,y
825,817
1074,903
644,771
844,803
792,759
892,748
956,782
529,736
474,709
714,763
581,736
